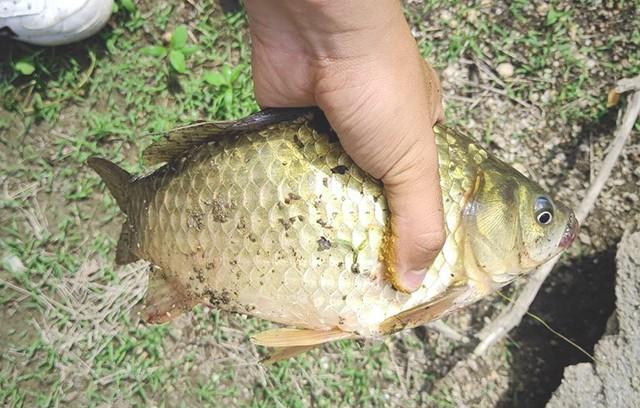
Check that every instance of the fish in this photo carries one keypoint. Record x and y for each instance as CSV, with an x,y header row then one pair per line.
x,y
268,216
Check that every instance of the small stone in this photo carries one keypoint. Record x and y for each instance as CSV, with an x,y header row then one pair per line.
x,y
584,238
542,9
505,70
446,15
472,16
13,264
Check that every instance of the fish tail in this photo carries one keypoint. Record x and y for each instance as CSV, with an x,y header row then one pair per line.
x,y
118,182
117,179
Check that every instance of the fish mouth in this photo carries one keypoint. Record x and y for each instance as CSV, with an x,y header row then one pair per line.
x,y
570,232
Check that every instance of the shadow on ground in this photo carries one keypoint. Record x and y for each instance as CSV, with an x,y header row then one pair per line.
x,y
576,300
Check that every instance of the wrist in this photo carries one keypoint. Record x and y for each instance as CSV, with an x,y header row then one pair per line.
x,y
330,29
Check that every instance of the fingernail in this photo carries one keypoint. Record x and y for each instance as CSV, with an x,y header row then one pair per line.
x,y
411,280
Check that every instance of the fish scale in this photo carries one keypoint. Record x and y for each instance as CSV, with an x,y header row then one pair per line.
x,y
269,216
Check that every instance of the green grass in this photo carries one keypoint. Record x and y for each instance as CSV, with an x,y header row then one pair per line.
x,y
107,96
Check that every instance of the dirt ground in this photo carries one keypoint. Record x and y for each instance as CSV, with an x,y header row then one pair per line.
x,y
528,79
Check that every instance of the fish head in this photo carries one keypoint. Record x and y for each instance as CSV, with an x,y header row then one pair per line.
x,y
512,225
548,227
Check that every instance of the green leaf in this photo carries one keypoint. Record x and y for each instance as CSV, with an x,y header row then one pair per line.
x,y
111,45
214,78
177,61
154,51
226,73
235,73
179,37
189,50
228,99
24,67
129,5
553,16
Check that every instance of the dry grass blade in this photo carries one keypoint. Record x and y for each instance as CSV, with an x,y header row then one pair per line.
x,y
83,314
511,317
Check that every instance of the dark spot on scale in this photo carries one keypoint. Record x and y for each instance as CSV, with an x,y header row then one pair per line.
x,y
195,220
323,244
199,274
218,298
291,197
323,223
286,224
297,141
341,169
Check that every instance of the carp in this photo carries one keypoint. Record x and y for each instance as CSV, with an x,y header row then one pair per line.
x,y
268,216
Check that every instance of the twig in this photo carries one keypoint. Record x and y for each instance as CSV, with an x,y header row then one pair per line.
x,y
511,317
505,93
448,331
628,84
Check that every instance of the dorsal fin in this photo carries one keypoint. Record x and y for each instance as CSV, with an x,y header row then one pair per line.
x,y
177,142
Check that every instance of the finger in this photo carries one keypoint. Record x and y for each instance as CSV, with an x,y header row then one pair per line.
x,y
417,217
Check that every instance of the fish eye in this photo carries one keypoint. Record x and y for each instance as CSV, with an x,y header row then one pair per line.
x,y
544,217
543,209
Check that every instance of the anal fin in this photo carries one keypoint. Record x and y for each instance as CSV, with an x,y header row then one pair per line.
x,y
164,301
283,353
287,337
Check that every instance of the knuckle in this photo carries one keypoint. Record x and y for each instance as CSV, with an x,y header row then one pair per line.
x,y
431,242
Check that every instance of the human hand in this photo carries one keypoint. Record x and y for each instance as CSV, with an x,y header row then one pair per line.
x,y
358,62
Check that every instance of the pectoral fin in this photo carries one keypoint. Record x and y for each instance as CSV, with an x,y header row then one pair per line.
x,y
286,337
451,300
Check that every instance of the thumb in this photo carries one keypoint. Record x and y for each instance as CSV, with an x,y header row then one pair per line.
x,y
413,194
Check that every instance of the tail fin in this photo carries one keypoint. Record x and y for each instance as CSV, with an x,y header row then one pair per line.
x,y
116,179
118,182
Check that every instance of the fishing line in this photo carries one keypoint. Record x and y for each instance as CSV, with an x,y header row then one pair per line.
x,y
552,330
